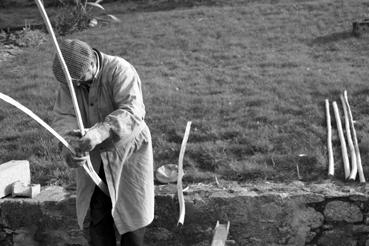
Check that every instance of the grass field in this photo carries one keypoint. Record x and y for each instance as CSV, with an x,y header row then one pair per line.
x,y
252,76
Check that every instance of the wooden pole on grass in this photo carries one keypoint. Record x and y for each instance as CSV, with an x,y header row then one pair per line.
x,y
353,172
329,140
346,165
182,208
356,144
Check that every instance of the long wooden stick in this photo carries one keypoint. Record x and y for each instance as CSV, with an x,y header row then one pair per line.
x,y
353,172
182,209
329,140
345,159
48,128
89,168
63,65
16,104
356,144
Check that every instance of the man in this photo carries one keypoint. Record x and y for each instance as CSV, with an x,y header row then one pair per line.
x,y
108,91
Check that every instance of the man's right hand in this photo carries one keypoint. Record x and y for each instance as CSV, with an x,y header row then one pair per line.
x,y
72,160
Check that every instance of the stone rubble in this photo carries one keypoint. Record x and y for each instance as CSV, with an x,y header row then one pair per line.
x,y
260,214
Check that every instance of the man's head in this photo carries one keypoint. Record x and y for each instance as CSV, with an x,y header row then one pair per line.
x,y
80,60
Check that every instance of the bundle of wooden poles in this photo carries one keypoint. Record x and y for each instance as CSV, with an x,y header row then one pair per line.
x,y
352,166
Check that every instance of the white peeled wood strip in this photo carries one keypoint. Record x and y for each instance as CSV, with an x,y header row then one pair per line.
x,y
88,167
353,172
345,158
356,144
63,65
16,104
182,209
329,140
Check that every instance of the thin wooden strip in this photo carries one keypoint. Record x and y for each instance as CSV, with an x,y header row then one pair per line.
x,y
356,144
353,172
329,140
16,104
182,209
27,111
345,159
63,65
89,169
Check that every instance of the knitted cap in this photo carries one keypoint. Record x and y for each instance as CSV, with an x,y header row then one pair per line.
x,y
78,55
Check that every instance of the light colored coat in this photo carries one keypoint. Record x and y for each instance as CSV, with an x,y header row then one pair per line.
x,y
115,97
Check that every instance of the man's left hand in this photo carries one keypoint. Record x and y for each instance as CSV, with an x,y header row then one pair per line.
x,y
94,136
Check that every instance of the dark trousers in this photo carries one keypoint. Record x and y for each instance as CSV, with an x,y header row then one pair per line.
x,y
102,230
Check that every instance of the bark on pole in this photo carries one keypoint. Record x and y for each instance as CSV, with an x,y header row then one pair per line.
x,y
346,165
329,140
353,165
356,144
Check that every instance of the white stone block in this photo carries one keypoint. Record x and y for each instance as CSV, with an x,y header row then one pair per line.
x,y
20,189
11,172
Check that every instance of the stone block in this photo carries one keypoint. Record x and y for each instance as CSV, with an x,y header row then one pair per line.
x,y
343,211
20,189
336,237
360,229
11,172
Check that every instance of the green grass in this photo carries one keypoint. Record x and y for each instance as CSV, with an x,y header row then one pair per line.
x,y
252,76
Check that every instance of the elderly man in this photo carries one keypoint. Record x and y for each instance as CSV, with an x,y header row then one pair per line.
x,y
108,90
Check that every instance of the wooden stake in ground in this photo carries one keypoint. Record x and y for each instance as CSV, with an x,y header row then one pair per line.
x,y
356,144
180,175
346,165
329,140
353,165
220,234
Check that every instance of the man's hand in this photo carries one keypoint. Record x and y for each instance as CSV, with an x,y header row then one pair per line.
x,y
77,160
73,161
94,136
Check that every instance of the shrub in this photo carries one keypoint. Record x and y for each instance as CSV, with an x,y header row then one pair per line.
x,y
79,16
70,19
26,38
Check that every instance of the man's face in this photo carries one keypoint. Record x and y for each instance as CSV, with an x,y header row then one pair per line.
x,y
88,76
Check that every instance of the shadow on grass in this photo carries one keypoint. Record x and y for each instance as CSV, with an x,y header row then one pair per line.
x,y
333,37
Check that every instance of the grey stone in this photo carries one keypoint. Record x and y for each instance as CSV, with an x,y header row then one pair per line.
x,y
304,220
310,236
342,211
327,227
336,238
271,216
308,197
360,229
50,219
25,236
359,197
2,235
313,218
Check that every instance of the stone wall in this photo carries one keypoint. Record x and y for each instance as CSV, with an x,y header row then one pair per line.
x,y
262,214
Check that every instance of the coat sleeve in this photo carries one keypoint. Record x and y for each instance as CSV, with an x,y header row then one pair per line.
x,y
127,98
64,115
